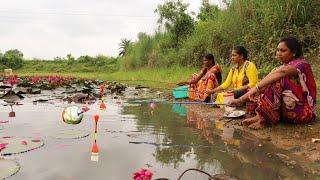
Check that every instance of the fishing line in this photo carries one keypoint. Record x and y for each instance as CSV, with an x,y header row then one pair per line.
x,y
146,80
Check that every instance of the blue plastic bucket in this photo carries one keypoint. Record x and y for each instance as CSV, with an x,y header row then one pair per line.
x,y
180,92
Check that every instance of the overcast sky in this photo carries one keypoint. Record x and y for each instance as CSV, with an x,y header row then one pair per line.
x,y
50,28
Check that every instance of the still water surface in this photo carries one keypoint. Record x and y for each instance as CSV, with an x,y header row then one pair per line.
x,y
167,140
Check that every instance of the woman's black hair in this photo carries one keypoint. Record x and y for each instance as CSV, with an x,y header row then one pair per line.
x,y
210,57
242,51
218,74
294,45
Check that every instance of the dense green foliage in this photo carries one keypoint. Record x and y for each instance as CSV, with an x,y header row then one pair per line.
x,y
256,24
99,63
11,59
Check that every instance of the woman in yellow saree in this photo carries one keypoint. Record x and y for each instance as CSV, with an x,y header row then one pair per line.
x,y
240,78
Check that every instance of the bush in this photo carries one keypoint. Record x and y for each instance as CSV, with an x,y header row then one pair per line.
x,y
12,59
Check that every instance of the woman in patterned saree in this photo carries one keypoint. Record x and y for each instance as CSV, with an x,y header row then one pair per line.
x,y
206,80
287,93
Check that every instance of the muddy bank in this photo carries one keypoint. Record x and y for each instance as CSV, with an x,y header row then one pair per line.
x,y
296,140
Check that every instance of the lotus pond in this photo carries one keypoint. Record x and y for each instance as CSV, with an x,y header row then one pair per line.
x,y
132,134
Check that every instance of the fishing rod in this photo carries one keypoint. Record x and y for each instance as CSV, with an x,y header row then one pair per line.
x,y
183,102
198,102
146,80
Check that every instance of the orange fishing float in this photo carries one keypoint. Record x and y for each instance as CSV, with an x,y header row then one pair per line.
x,y
95,148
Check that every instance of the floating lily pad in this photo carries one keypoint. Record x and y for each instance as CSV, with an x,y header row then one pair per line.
x,y
17,145
70,134
8,168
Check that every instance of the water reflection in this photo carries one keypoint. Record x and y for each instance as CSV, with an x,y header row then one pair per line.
x,y
223,149
227,136
167,142
180,109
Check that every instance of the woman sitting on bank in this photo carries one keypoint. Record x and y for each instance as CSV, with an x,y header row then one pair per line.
x,y
243,76
287,93
206,80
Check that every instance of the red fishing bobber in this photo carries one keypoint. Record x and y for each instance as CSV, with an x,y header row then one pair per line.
x,y
12,114
96,118
95,149
95,152
103,106
102,89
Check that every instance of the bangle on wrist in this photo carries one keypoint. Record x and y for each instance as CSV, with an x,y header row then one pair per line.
x,y
257,87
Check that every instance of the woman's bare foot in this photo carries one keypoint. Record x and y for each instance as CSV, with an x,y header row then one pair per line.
x,y
249,121
256,125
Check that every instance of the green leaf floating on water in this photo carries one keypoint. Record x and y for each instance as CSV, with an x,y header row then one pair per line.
x,y
17,145
70,134
8,168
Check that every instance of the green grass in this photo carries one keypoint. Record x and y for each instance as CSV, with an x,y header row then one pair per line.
x,y
65,66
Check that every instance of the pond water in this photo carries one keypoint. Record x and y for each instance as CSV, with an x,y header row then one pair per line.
x,y
166,139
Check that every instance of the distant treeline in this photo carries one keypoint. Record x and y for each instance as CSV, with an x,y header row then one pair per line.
x,y
258,25
14,59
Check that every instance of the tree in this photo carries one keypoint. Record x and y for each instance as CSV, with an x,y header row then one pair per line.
x,y
70,57
12,59
208,11
86,58
124,46
58,58
173,14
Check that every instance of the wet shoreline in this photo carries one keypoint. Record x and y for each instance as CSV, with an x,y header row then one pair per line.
x,y
296,140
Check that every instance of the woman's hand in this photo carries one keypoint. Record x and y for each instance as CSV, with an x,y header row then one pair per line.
x,y
204,70
235,102
210,91
252,94
182,83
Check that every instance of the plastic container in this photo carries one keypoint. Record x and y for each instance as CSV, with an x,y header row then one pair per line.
x,y
180,92
228,96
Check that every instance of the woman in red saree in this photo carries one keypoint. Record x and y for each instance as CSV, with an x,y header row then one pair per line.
x,y
287,93
206,80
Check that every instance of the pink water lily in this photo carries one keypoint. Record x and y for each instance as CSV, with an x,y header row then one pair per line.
x,y
3,145
35,80
7,137
12,80
85,109
143,174
153,105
